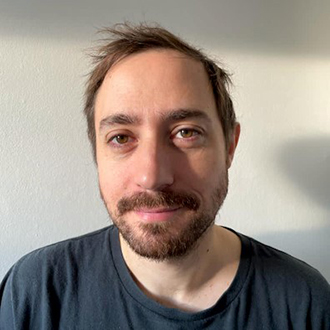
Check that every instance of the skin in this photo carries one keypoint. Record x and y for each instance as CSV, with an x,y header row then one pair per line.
x,y
152,152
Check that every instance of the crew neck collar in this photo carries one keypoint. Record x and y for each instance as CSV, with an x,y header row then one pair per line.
x,y
141,298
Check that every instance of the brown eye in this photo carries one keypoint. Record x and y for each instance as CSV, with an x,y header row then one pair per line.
x,y
188,137
186,133
121,139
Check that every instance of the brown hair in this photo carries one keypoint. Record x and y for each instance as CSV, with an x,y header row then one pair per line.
x,y
125,39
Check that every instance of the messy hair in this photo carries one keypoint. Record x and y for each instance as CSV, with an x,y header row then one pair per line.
x,y
126,39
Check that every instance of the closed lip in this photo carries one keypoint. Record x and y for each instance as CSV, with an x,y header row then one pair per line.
x,y
159,214
158,210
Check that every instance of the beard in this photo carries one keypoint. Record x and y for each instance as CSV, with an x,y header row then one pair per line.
x,y
169,239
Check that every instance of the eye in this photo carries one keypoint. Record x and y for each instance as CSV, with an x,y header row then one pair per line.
x,y
120,140
186,133
188,137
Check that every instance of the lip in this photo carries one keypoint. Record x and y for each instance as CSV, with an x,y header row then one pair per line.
x,y
157,214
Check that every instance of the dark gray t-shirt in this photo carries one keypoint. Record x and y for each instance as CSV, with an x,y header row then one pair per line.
x,y
83,283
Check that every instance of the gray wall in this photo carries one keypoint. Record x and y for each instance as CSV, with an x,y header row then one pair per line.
x,y
279,54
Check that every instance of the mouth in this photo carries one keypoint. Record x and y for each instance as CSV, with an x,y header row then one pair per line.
x,y
157,214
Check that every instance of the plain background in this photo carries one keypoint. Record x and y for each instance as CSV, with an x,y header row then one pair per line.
x,y
279,55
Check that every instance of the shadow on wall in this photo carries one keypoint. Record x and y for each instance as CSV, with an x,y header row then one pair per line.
x,y
306,162
258,26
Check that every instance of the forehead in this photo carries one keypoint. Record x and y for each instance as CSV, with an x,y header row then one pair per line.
x,y
152,82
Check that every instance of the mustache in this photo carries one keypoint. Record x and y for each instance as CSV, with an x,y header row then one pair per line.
x,y
159,199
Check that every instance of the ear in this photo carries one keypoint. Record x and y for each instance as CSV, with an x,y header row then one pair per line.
x,y
233,144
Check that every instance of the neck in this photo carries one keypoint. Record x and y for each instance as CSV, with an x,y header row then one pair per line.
x,y
193,282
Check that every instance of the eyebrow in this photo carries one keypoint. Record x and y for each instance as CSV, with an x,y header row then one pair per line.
x,y
171,116
119,119
181,114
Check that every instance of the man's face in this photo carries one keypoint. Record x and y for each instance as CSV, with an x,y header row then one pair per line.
x,y
161,155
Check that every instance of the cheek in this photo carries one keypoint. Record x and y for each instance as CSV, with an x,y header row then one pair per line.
x,y
201,172
111,182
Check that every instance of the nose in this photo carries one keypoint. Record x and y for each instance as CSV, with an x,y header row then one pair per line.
x,y
153,166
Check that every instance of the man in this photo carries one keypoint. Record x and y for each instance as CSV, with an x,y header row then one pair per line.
x,y
164,133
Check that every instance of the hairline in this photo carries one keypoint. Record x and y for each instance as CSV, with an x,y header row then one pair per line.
x,y
210,66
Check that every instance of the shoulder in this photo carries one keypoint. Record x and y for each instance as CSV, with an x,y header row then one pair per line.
x,y
283,266
61,274
58,254
288,283
58,260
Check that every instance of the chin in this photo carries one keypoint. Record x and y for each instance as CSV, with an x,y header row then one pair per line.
x,y
162,241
